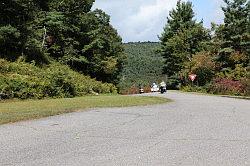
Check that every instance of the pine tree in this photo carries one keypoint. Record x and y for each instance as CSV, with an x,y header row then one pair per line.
x,y
236,30
233,37
18,36
182,37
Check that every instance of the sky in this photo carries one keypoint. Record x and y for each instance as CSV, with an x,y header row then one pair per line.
x,y
143,20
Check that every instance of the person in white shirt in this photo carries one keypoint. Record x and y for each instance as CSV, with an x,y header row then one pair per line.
x,y
163,87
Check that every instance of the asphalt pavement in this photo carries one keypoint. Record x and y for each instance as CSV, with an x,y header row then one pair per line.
x,y
192,130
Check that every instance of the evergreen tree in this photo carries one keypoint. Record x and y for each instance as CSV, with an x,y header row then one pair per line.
x,y
104,50
233,37
236,31
17,37
182,37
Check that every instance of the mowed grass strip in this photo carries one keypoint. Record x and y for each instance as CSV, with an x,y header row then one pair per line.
x,y
13,111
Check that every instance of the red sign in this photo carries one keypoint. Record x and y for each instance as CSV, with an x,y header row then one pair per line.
x,y
192,77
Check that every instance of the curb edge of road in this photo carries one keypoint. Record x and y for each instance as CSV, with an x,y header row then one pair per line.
x,y
209,94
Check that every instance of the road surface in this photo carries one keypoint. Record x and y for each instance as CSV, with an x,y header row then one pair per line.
x,y
192,130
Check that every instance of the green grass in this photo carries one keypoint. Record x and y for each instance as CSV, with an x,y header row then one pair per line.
x,y
13,111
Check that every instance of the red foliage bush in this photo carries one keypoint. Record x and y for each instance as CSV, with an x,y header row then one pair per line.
x,y
131,90
227,86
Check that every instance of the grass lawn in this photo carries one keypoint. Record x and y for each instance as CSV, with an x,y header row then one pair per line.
x,y
13,111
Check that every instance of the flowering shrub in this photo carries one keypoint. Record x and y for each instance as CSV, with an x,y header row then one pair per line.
x,y
227,86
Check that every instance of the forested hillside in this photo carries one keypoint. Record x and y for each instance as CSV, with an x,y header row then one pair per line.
x,y
143,66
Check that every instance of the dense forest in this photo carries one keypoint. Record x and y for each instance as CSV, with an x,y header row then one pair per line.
x,y
55,48
68,33
143,66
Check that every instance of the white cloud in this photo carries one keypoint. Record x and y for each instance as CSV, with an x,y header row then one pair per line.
x,y
139,20
143,20
149,19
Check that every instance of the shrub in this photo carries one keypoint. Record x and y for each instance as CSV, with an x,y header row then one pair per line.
x,y
246,83
200,89
22,80
173,82
227,86
204,67
237,74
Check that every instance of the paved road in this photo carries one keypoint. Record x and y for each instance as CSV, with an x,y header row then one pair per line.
x,y
193,130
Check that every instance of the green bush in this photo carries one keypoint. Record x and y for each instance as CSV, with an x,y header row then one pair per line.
x,y
203,66
189,88
24,81
173,82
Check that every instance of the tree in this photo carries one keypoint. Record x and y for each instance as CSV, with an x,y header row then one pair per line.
x,y
182,38
233,37
83,39
17,36
236,31
61,30
104,52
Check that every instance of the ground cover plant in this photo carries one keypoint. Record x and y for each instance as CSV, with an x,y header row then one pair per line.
x,y
24,81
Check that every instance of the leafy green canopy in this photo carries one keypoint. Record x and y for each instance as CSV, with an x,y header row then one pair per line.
x,y
182,38
234,35
61,30
17,37
85,41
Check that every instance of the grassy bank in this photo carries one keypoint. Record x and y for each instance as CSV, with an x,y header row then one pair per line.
x,y
13,111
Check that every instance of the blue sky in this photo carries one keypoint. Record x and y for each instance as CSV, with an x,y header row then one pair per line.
x,y
143,20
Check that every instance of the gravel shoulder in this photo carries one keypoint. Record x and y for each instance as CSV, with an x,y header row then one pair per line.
x,y
192,130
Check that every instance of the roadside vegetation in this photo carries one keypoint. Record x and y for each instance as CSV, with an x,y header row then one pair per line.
x,y
220,56
27,81
13,111
56,49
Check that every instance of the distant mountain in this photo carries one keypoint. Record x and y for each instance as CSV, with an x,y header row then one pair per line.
x,y
143,66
